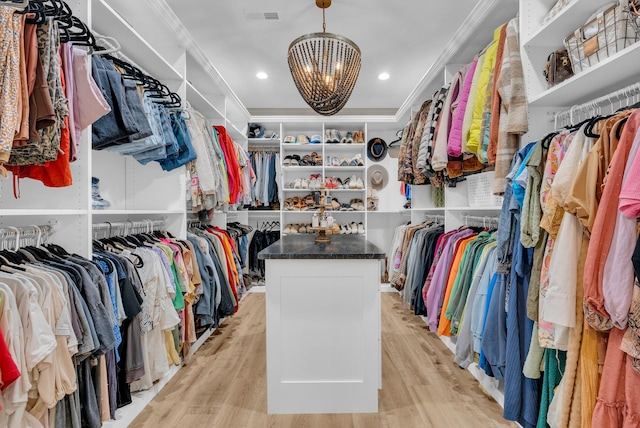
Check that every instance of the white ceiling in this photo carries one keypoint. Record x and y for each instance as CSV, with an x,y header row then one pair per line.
x,y
409,39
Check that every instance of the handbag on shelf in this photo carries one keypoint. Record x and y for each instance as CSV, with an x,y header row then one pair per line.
x,y
558,67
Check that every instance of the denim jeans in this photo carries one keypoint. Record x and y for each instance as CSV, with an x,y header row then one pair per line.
x,y
119,123
155,141
186,153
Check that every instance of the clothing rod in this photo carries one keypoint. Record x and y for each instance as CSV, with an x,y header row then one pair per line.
x,y
480,220
595,105
126,228
438,218
16,237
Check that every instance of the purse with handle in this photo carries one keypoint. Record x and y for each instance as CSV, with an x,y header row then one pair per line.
x,y
558,67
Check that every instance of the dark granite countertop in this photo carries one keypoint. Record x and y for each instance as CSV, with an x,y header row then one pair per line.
x,y
304,247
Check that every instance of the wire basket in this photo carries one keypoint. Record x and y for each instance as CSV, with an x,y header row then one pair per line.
x,y
479,191
613,29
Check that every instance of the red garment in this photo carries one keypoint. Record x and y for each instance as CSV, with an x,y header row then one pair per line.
x,y
9,371
233,166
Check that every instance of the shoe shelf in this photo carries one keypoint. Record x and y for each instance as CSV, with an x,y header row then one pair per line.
x,y
348,168
344,146
301,168
299,146
263,141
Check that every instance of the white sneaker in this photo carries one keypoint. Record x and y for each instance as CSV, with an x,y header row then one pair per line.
x,y
297,184
353,182
359,183
304,183
361,228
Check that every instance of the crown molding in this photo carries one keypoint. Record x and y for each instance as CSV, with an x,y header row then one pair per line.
x,y
466,30
192,48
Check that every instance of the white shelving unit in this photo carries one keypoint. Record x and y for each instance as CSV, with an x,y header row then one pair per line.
x,y
134,191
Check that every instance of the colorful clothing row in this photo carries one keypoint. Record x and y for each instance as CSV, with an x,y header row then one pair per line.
x,y
474,121
48,97
77,336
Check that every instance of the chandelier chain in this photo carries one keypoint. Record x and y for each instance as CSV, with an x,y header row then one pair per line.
x,y
324,24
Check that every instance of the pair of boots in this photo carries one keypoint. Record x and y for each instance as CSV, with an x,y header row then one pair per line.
x,y
97,202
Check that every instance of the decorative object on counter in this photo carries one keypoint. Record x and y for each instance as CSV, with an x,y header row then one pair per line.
x,y
558,67
324,67
376,149
613,29
97,202
378,177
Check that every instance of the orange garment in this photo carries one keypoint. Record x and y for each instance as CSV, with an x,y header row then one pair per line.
x,y
444,326
586,191
604,226
494,124
619,395
230,265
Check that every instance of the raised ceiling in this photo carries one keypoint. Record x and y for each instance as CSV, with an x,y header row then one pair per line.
x,y
409,39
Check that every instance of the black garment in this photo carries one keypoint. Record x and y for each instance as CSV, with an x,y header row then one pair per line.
x,y
430,243
261,239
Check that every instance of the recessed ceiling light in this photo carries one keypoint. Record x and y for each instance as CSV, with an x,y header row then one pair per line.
x,y
262,75
383,76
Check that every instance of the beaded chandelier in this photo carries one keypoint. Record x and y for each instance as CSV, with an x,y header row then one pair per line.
x,y
324,67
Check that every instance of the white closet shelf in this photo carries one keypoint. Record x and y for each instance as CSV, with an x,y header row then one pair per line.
x,y
345,146
108,22
302,168
473,209
264,213
263,141
38,212
344,168
136,212
428,210
401,212
560,26
615,72
303,145
201,103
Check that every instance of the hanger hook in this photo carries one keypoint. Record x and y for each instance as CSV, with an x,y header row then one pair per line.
x,y
17,237
39,236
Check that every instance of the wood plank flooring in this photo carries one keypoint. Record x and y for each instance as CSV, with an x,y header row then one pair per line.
x,y
225,384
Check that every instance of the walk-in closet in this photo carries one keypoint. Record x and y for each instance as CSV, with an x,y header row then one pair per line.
x,y
321,213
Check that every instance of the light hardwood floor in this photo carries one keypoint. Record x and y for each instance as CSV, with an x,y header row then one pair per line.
x,y
225,385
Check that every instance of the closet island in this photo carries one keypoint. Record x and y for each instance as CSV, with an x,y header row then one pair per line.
x,y
323,325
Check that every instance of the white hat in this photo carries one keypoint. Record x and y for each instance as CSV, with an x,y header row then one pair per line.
x,y
378,176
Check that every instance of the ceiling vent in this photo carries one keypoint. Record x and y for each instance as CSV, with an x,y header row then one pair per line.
x,y
261,16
